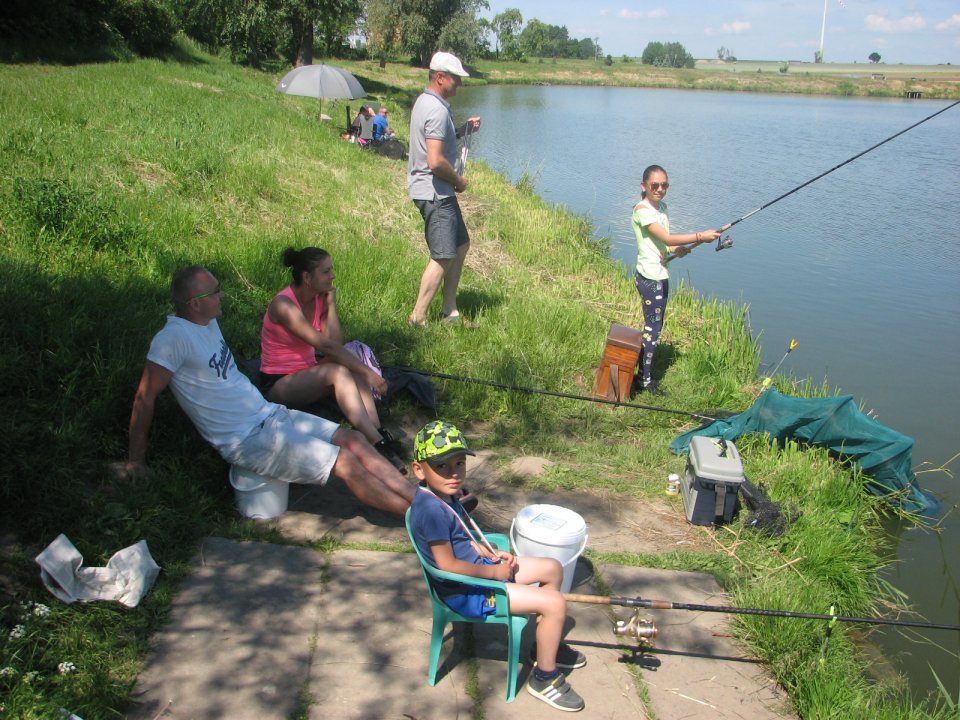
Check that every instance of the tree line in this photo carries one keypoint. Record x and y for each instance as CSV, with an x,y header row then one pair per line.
x,y
261,33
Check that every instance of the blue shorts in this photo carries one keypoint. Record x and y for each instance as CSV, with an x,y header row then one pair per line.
x,y
475,602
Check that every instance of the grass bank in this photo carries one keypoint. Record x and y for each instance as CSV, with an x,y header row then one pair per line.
x,y
112,176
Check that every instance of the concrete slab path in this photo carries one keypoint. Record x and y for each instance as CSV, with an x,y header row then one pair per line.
x,y
261,631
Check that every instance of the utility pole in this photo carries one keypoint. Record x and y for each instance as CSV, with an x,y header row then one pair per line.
x,y
823,27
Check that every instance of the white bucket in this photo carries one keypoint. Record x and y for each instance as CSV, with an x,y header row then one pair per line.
x,y
258,496
550,531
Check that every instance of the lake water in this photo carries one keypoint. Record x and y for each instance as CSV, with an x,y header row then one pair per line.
x,y
862,267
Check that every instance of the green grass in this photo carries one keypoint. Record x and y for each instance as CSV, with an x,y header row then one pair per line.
x,y
114,175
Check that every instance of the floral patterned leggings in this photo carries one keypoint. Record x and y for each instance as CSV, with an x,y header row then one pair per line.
x,y
653,293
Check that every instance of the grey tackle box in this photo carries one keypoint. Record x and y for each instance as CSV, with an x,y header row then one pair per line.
x,y
711,484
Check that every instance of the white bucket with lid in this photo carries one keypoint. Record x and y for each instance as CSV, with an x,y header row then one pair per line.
x,y
258,496
550,531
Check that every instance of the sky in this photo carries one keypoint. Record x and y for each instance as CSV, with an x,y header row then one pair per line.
x,y
923,32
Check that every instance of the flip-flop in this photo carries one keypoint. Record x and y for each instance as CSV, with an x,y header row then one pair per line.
x,y
459,320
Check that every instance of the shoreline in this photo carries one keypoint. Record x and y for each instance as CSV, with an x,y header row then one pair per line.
x,y
932,82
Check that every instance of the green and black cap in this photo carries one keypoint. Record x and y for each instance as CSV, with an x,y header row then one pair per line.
x,y
439,439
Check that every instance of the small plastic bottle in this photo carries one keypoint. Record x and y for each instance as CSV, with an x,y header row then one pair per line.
x,y
673,484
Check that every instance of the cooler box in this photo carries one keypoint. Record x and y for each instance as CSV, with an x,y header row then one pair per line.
x,y
711,484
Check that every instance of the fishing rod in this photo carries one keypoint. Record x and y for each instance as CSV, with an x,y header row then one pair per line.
x,y
723,243
667,605
836,167
769,378
536,391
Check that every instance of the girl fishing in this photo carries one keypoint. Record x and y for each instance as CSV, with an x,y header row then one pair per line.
x,y
656,246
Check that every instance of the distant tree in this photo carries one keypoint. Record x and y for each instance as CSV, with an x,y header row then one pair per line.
x,y
535,39
202,20
148,26
506,26
463,35
608,60
85,29
652,53
672,55
415,26
626,58
588,49
874,57
257,31
539,39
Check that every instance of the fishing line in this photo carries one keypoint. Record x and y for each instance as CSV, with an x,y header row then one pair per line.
x,y
465,151
836,167
536,391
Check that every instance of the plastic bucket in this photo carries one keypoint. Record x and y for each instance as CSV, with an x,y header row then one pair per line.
x,y
258,496
550,531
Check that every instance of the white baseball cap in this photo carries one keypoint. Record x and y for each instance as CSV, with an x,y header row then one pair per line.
x,y
447,63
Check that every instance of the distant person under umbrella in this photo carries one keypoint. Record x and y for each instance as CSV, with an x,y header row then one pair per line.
x,y
381,128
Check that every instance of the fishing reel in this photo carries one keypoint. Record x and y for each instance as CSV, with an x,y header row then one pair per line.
x,y
640,629
724,243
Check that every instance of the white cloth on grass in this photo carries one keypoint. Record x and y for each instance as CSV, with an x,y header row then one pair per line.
x,y
129,574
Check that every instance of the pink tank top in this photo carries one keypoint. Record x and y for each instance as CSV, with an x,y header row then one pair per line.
x,y
282,352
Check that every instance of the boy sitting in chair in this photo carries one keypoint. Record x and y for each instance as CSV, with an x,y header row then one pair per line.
x,y
449,539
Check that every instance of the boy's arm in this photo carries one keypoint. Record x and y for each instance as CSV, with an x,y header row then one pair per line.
x,y
445,559
494,555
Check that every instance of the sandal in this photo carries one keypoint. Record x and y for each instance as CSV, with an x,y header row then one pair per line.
x,y
459,319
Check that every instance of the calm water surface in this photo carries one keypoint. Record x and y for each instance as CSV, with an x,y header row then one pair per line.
x,y
862,267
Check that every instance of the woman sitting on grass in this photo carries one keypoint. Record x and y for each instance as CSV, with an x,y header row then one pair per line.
x,y
449,539
301,321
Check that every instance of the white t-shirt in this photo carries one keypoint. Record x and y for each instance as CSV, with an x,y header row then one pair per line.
x,y
220,401
650,251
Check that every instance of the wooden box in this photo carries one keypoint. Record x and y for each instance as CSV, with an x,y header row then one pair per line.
x,y
620,357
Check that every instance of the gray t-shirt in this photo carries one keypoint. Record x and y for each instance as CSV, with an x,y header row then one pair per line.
x,y
431,119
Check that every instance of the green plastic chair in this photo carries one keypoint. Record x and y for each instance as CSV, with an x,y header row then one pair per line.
x,y
443,615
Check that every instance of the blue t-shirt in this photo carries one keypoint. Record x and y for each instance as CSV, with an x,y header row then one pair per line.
x,y
379,127
430,522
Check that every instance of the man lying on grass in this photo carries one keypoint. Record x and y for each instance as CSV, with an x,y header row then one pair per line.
x,y
191,356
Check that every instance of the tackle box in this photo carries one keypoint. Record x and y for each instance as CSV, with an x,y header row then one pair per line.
x,y
711,484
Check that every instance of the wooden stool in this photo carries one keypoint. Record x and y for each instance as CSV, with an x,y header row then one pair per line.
x,y
615,374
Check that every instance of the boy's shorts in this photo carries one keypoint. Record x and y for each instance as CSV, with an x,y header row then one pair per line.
x,y
476,602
